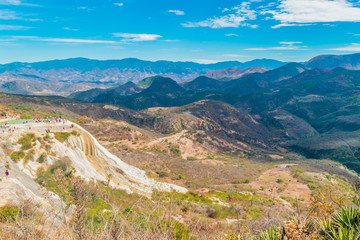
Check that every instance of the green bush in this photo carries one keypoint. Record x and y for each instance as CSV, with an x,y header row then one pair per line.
x,y
25,116
42,158
8,214
212,212
63,136
162,174
175,151
280,180
16,156
27,141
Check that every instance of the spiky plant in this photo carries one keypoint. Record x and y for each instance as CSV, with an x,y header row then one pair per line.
x,y
345,224
273,233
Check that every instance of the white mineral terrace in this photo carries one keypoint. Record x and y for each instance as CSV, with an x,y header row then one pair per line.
x,y
91,160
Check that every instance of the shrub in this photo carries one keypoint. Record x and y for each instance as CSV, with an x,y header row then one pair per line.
x,y
238,181
312,186
175,151
63,136
8,213
25,116
16,156
280,180
27,141
30,155
162,174
212,212
42,158
46,137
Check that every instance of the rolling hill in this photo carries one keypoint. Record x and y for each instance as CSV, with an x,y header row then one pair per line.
x,y
204,83
351,61
128,88
232,73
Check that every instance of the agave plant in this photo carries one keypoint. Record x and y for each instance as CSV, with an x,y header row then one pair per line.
x,y
273,233
342,233
347,217
344,225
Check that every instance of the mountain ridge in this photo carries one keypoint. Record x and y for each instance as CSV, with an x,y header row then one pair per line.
x,y
114,72
349,61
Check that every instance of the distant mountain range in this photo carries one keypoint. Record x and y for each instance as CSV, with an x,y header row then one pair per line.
x,y
64,77
163,92
313,111
121,71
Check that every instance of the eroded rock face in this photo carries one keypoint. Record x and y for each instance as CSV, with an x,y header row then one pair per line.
x,y
89,158
93,161
19,189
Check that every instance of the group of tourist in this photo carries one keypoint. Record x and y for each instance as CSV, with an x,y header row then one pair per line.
x,y
8,127
51,120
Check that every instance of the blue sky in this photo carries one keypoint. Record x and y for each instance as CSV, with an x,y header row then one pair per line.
x,y
179,30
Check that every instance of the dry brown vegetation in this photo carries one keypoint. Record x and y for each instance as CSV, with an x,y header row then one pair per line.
x,y
235,192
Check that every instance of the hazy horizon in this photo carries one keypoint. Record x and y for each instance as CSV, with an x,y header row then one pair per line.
x,y
160,60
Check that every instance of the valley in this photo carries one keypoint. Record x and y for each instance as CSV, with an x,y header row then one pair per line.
x,y
226,155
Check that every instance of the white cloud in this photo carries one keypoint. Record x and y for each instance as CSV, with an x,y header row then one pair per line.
x,y
17,3
23,37
236,19
119,4
6,14
315,11
290,43
283,46
70,29
233,55
230,20
72,40
290,25
133,37
88,9
171,40
231,35
206,61
9,15
13,27
354,47
10,2
62,40
177,12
